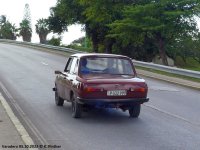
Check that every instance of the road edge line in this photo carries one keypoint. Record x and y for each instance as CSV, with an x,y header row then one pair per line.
x,y
20,128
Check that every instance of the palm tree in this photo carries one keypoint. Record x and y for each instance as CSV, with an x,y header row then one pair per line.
x,y
25,30
42,29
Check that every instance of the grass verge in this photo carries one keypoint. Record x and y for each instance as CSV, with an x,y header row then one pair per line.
x,y
190,64
169,74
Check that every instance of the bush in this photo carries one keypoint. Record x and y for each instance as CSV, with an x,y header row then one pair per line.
x,y
54,41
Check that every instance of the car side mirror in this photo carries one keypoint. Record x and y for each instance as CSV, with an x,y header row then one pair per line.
x,y
66,70
58,72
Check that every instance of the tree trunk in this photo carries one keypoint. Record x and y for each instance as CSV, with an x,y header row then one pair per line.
x,y
108,46
43,38
162,50
95,46
109,49
95,43
26,37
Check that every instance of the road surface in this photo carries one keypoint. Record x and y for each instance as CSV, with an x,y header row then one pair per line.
x,y
170,121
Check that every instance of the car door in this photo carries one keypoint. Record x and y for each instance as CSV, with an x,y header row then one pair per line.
x,y
68,86
62,78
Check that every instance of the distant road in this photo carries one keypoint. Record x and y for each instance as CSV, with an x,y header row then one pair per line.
x,y
170,121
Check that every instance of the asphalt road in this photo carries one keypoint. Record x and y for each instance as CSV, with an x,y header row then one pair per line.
x,y
170,121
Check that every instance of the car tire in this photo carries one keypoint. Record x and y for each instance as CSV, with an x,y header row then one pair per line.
x,y
58,100
134,111
76,108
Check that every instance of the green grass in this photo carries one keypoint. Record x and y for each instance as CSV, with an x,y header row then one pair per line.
x,y
190,64
169,74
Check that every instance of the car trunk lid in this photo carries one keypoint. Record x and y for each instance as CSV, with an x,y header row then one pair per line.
x,y
115,87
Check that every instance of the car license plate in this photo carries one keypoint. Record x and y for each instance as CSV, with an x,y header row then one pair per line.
x,y
116,93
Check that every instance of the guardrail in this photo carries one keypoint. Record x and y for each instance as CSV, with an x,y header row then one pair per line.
x,y
189,73
57,48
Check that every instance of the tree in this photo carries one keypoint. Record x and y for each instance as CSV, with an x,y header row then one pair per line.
x,y
196,50
7,29
94,14
25,25
25,30
57,24
42,29
186,46
161,21
27,14
98,15
66,12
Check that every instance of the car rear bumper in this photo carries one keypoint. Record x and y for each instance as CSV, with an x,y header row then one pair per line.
x,y
111,102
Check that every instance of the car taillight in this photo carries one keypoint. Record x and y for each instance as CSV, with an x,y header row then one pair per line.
x,y
138,89
93,89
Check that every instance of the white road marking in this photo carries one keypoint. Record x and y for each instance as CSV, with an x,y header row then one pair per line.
x,y
44,63
32,127
20,128
171,114
161,88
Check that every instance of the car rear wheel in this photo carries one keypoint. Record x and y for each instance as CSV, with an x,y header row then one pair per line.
x,y
134,111
59,101
76,108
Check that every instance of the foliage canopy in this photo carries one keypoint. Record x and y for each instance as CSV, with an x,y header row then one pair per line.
x,y
137,28
7,29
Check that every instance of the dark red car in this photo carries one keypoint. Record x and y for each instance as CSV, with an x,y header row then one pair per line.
x,y
100,80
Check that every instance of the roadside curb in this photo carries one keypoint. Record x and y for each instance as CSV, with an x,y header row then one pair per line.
x,y
20,128
162,78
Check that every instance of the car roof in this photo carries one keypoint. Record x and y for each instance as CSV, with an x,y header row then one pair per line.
x,y
79,55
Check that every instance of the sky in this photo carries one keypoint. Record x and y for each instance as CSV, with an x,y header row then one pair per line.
x,y
14,11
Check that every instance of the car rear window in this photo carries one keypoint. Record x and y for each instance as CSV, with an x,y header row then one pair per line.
x,y
106,65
